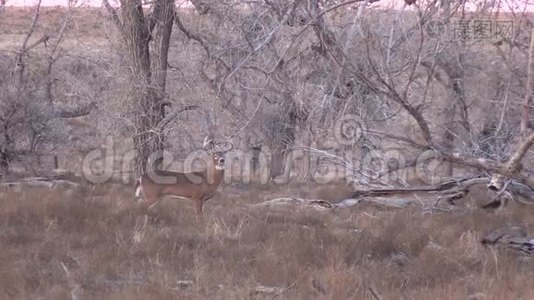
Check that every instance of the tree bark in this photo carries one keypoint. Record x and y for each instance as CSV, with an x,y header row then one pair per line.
x,y
161,23
529,90
148,76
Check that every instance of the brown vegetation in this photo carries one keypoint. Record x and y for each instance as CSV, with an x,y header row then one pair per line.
x,y
98,244
269,76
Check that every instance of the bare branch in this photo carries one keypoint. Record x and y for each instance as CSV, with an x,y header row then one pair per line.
x,y
55,54
265,41
514,164
191,35
399,138
24,49
114,16
32,27
44,39
529,89
173,115
63,112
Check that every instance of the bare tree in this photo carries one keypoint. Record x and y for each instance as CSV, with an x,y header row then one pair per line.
x,y
394,72
147,39
367,68
30,114
287,71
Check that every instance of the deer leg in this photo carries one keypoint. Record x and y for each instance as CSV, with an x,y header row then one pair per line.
x,y
149,205
199,204
149,201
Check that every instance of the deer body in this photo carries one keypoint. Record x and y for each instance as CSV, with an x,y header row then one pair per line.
x,y
196,186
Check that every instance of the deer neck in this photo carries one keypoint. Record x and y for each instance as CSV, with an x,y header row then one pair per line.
x,y
214,176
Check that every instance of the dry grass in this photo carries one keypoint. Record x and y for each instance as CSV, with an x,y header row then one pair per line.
x,y
85,21
98,244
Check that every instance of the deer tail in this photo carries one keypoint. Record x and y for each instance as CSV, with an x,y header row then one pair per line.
x,y
139,188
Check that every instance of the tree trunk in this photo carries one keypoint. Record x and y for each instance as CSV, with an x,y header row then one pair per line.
x,y
161,25
148,78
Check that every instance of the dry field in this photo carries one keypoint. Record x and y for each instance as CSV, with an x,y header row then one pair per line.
x,y
97,244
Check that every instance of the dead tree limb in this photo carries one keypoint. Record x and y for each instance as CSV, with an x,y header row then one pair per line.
x,y
462,183
114,16
173,115
333,50
73,112
20,66
529,89
514,164
55,54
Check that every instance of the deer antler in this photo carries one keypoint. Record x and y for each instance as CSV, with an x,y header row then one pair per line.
x,y
229,146
208,143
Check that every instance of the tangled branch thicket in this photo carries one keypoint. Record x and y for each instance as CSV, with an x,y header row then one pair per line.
x,y
287,72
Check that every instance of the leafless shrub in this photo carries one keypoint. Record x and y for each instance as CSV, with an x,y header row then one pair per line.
x,y
32,114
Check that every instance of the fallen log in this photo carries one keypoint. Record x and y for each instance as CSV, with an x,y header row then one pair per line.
x,y
41,182
454,184
318,204
449,191
323,205
514,238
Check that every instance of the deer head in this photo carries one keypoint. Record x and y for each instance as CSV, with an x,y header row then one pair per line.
x,y
217,156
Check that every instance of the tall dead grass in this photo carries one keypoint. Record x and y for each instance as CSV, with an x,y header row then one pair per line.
x,y
99,244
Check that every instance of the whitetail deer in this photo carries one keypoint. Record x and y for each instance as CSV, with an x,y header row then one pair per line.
x,y
197,186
